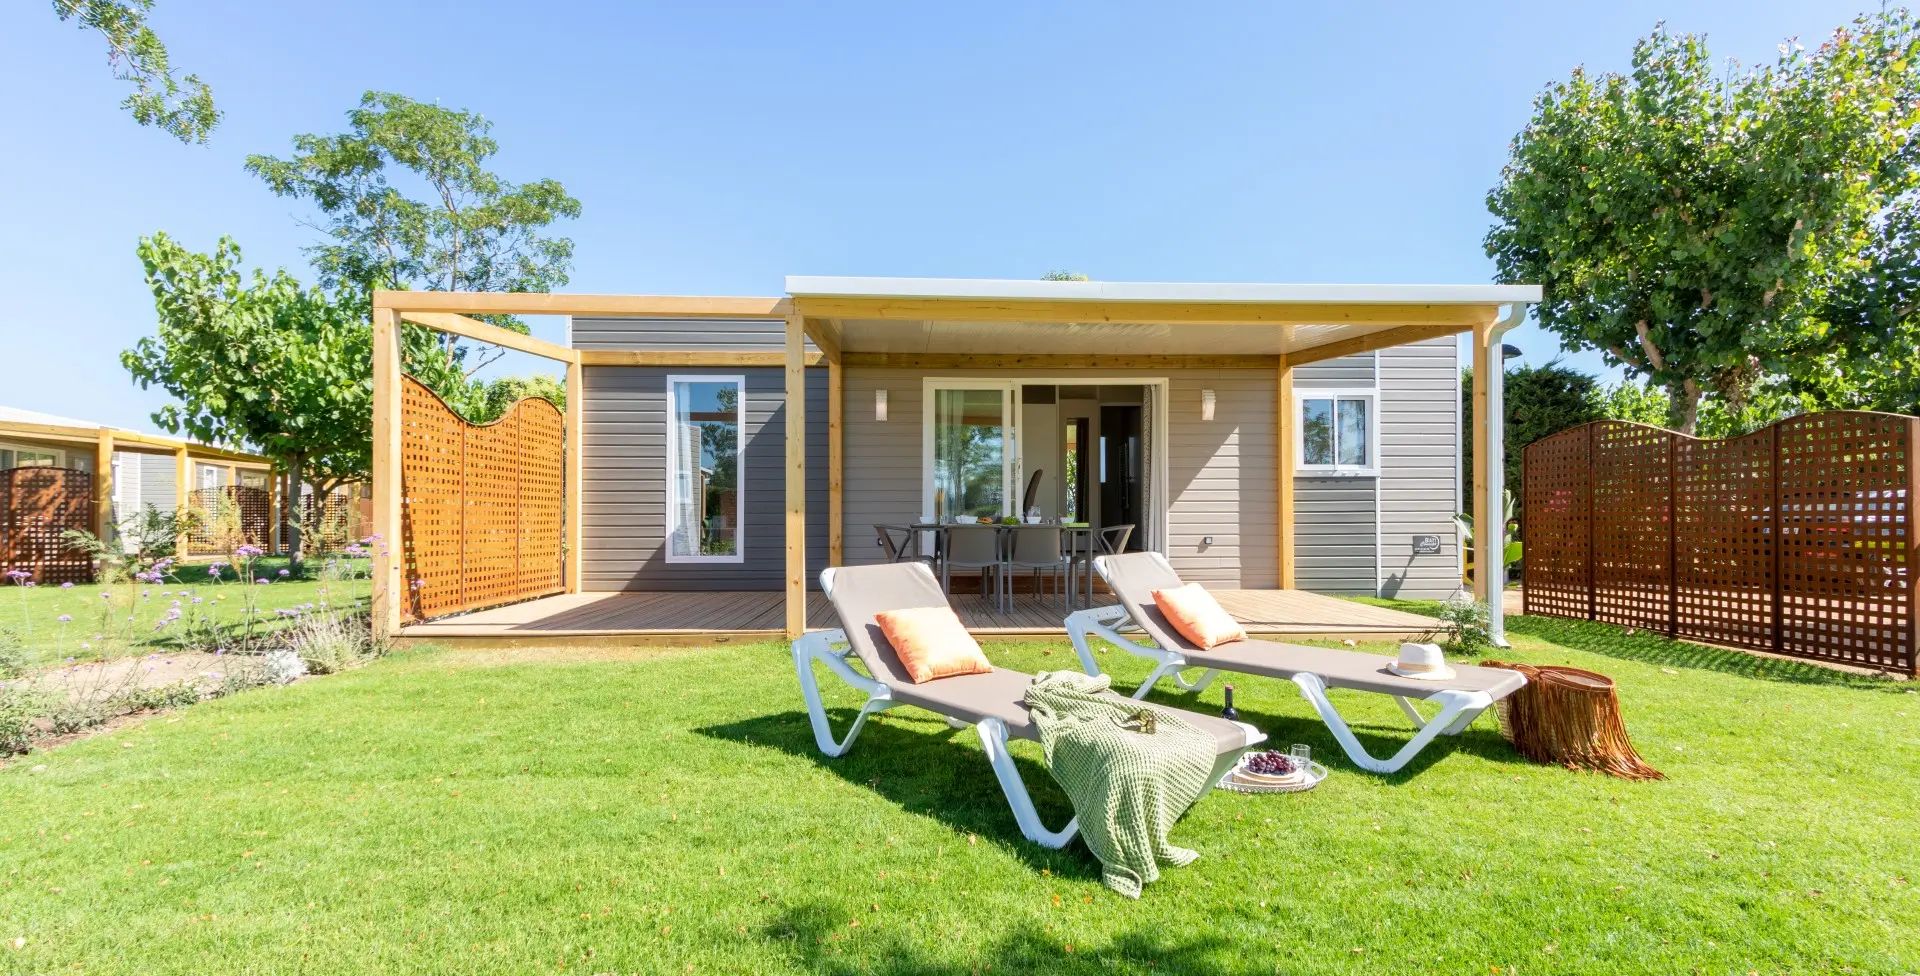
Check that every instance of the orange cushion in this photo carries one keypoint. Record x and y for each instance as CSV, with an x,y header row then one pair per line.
x,y
1198,616
931,643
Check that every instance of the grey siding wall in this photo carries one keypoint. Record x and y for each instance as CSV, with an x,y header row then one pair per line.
x,y
157,477
713,335
1219,473
1336,517
1420,462
623,461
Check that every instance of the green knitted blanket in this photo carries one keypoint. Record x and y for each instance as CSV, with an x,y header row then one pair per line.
x,y
1130,769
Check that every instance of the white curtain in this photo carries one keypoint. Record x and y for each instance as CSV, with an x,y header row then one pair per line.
x,y
683,450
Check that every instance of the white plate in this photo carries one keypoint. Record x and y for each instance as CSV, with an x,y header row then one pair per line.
x,y
1315,773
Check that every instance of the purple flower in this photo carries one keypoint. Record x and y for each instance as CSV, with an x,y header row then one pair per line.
x,y
66,586
17,575
196,601
249,551
419,584
213,570
106,596
65,618
285,572
262,579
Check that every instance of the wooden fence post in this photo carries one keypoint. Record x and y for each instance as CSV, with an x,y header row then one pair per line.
x,y
1673,534
1593,465
1913,548
1779,546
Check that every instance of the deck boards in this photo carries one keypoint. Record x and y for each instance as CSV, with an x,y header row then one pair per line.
x,y
723,616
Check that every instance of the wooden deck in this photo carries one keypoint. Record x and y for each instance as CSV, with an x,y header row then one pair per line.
x,y
718,617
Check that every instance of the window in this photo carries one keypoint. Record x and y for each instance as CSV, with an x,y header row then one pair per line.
x,y
253,479
1335,432
30,457
209,476
706,418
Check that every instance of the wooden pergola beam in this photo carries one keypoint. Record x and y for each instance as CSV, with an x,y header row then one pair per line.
x,y
103,485
688,357
612,306
461,325
923,360
1150,312
1370,342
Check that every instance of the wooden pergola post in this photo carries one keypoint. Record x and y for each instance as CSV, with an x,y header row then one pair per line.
x,y
103,485
796,408
387,592
1285,462
575,495
273,511
836,460
182,479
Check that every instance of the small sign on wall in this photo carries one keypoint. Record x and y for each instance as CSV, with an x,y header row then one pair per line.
x,y
1426,545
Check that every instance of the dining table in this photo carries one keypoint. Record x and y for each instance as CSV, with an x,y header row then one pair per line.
x,y
1079,539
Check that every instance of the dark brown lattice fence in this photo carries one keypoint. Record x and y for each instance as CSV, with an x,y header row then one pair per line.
x,y
37,505
1796,539
481,513
230,516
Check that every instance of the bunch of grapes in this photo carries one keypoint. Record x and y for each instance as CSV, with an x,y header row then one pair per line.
x,y
1272,764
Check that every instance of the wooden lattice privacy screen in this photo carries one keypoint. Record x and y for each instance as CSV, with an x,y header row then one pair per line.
x,y
482,506
36,506
230,516
1796,539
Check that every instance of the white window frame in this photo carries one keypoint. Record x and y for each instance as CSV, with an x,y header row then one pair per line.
x,y
59,453
739,380
1369,470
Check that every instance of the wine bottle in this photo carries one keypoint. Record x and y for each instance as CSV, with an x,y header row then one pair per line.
x,y
1230,713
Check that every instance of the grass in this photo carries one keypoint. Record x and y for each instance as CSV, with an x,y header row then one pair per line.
x,y
100,627
590,811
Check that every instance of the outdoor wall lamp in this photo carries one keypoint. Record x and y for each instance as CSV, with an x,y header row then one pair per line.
x,y
880,405
1206,404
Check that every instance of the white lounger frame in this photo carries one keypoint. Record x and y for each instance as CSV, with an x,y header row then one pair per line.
x,y
1458,708
830,647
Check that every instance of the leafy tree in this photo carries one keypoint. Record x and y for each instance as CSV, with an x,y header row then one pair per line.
x,y
182,107
488,401
1637,402
1691,223
469,230
1540,401
1873,362
1064,276
258,360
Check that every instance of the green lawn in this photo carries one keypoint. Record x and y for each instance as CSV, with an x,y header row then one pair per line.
x,y
666,812
99,624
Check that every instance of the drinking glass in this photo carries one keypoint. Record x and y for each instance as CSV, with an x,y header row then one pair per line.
x,y
1302,758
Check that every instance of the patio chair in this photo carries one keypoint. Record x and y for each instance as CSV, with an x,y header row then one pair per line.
x,y
975,548
900,543
1035,548
1133,578
994,703
1108,540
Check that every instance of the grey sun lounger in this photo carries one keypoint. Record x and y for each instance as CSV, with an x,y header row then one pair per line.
x,y
994,704
1133,578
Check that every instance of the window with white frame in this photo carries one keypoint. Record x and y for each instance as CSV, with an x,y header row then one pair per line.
x,y
706,430
22,456
1335,431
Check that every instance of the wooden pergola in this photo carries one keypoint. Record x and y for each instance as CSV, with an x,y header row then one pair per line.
x,y
105,440
945,323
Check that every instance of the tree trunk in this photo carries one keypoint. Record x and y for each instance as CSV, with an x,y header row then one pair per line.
x,y
297,536
1686,407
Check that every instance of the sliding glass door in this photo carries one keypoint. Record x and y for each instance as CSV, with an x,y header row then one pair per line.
x,y
970,434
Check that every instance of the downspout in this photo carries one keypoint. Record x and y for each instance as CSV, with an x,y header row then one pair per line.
x,y
1491,560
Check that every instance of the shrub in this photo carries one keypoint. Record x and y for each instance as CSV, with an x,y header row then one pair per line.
x,y
332,642
1466,621
19,707
178,694
13,655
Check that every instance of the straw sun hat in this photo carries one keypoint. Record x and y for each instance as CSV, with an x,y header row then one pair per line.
x,y
1422,661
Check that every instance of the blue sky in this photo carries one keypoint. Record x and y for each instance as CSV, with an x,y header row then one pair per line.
x,y
718,147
